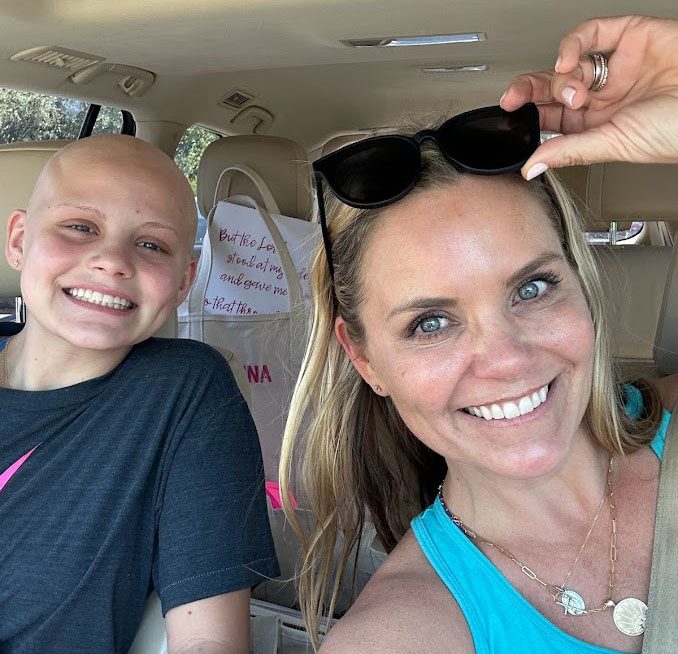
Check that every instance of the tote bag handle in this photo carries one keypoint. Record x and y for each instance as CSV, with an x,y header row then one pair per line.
x,y
196,298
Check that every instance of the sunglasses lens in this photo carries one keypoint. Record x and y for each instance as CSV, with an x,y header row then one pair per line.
x,y
372,172
491,140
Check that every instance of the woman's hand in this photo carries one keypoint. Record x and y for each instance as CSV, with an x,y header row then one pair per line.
x,y
633,118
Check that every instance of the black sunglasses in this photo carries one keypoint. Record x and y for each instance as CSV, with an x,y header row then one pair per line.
x,y
383,169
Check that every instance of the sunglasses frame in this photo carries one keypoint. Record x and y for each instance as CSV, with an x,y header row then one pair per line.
x,y
416,141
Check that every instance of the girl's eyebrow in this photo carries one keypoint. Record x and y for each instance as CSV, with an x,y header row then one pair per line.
x,y
100,214
83,207
424,303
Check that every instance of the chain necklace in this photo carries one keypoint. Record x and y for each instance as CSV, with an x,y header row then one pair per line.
x,y
586,540
630,613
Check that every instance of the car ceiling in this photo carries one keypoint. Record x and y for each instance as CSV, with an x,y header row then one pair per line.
x,y
289,55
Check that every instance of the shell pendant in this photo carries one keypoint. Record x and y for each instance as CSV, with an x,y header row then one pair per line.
x,y
629,616
572,602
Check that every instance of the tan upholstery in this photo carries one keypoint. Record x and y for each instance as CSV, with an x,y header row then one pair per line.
x,y
281,163
633,280
666,343
20,164
624,192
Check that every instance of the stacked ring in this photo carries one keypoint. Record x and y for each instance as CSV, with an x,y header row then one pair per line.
x,y
600,69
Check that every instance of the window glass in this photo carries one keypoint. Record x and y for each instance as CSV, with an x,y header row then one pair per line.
x,y
187,157
28,116
109,121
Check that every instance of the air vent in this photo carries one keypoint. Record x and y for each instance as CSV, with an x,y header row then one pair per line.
x,y
57,57
236,99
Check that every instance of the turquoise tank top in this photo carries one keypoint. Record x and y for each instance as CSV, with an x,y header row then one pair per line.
x,y
479,587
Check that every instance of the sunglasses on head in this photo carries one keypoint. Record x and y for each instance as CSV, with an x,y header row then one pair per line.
x,y
381,170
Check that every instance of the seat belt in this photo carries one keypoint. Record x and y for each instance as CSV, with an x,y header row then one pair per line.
x,y
661,630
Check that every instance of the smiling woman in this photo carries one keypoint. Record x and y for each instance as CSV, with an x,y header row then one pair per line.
x,y
474,366
459,369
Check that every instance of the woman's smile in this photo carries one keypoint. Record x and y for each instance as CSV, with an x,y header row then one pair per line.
x,y
510,409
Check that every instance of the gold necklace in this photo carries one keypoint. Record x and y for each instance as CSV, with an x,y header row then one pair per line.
x,y
630,614
586,540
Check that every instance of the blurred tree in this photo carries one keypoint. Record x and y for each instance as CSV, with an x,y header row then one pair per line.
x,y
190,149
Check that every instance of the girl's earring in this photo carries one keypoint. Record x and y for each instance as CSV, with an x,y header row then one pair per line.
x,y
377,389
16,262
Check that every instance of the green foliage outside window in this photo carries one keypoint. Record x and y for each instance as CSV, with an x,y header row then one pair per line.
x,y
27,116
190,149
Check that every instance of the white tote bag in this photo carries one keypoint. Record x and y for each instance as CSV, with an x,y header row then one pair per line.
x,y
248,300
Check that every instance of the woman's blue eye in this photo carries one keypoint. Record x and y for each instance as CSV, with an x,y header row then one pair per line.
x,y
432,324
531,290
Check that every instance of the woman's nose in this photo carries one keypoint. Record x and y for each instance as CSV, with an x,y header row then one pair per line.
x,y
500,350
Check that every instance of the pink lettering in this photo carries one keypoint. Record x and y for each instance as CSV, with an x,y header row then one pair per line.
x,y
256,374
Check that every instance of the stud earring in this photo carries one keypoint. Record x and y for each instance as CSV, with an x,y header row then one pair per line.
x,y
16,262
377,389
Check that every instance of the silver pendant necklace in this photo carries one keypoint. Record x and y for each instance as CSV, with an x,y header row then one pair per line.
x,y
629,615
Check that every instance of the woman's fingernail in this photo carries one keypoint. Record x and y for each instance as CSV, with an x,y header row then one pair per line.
x,y
503,96
537,169
568,94
557,66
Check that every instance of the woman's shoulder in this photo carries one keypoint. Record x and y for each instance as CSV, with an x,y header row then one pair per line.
x,y
404,608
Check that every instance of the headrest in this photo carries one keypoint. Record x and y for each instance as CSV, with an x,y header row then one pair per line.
x,y
281,163
20,165
624,192
666,341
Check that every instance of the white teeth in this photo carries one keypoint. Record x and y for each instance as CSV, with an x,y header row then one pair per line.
x,y
509,410
525,405
100,299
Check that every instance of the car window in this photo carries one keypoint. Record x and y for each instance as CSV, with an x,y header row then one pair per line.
x,y
27,116
187,157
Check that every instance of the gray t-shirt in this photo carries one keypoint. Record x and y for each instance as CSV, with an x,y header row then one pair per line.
x,y
148,477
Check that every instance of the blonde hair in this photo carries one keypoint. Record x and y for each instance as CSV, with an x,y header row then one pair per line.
x,y
357,454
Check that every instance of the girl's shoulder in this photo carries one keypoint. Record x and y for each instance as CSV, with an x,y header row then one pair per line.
x,y
404,608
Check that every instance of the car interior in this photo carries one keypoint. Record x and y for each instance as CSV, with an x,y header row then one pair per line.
x,y
279,84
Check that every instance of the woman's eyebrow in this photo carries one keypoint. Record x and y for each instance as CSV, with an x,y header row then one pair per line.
x,y
532,266
424,303
421,304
